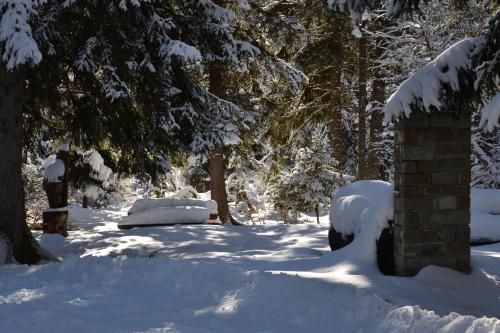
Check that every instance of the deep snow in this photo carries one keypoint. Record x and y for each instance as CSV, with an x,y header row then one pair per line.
x,y
265,278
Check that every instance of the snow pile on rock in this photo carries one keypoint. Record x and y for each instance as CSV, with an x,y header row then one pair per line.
x,y
362,203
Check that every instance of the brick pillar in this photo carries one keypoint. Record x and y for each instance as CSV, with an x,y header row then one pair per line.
x,y
432,192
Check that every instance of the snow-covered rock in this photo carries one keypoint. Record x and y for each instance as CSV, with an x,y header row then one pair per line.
x,y
361,203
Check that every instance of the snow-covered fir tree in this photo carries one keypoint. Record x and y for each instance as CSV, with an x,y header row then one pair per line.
x,y
309,184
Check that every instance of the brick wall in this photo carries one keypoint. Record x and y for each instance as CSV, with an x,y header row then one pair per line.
x,y
432,190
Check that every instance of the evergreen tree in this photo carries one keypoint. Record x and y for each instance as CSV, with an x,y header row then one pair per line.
x,y
122,76
310,183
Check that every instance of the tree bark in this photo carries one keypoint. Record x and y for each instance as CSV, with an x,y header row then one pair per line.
x,y
362,102
335,114
376,128
216,165
377,100
316,210
12,220
217,183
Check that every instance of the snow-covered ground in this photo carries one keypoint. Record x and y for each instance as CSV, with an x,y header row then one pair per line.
x,y
263,278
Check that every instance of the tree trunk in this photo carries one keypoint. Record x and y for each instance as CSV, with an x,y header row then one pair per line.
x,y
85,201
376,128
12,221
362,102
217,183
377,100
216,165
335,115
316,209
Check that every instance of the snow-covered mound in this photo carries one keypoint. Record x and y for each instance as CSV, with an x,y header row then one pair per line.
x,y
361,203
169,211
167,215
187,192
145,204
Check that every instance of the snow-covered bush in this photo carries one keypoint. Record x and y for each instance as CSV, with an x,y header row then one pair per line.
x,y
485,156
187,192
35,198
310,183
90,178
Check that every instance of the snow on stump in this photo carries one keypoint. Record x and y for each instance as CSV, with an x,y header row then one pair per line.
x,y
55,184
432,191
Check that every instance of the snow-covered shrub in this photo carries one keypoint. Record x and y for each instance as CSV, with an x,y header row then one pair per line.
x,y
485,157
310,183
237,187
35,198
187,192
90,178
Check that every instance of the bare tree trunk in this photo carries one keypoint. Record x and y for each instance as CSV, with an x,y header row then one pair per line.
x,y
362,102
216,165
12,220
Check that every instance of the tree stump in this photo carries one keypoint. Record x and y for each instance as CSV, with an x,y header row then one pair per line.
x,y
55,221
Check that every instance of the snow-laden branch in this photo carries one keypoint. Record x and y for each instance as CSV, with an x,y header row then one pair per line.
x,y
18,47
424,88
491,114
